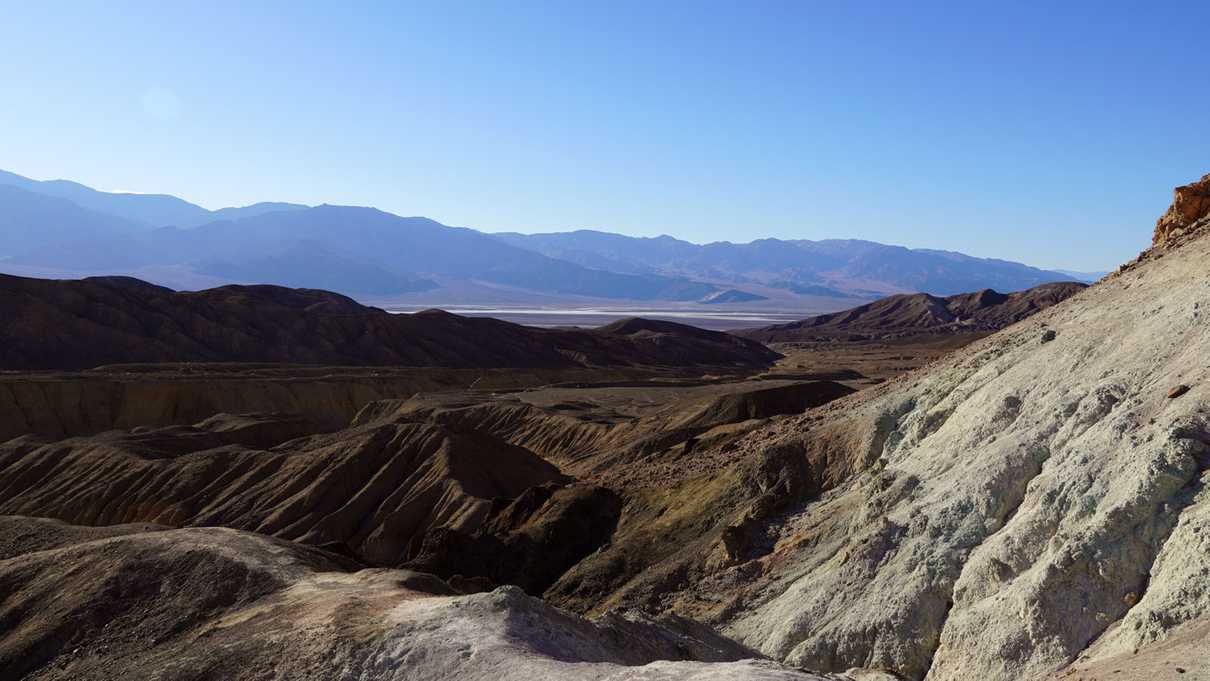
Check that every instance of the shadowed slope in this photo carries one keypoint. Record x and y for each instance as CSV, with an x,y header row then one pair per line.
x,y
920,313
376,489
460,484
115,320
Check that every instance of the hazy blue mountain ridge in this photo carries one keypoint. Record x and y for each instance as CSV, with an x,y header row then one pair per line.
x,y
826,267
66,227
347,249
148,210
31,222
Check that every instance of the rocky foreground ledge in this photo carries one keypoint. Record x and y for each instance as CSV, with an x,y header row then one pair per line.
x,y
84,603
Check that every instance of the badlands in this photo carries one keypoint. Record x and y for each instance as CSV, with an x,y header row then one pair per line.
x,y
1032,505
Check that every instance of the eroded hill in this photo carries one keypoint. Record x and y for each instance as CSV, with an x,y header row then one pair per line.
x,y
117,320
920,314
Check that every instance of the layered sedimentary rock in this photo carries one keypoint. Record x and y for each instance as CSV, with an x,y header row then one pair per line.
x,y
375,490
82,403
471,490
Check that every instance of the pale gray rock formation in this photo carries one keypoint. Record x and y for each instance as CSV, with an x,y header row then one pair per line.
x,y
216,603
1034,499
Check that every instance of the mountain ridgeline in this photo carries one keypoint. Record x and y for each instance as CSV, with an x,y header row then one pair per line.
x,y
117,320
920,313
832,267
64,229
140,211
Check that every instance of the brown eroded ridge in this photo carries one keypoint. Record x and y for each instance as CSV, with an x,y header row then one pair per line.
x,y
918,314
118,320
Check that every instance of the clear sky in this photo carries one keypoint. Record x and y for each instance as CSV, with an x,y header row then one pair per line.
x,y
1050,133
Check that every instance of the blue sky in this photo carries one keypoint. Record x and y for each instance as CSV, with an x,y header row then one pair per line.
x,y
1047,134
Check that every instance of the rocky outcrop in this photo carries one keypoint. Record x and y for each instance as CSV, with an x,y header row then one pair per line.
x,y
215,603
1190,205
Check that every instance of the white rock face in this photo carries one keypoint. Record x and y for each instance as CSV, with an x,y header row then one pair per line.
x,y
1025,497
505,636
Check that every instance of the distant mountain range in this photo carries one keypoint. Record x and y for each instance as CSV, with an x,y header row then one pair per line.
x,y
61,228
141,210
832,267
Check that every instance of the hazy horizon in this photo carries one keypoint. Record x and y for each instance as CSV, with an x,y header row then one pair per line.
x,y
740,241
980,128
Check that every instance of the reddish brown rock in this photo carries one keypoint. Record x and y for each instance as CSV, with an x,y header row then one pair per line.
x,y
1190,204
1177,391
